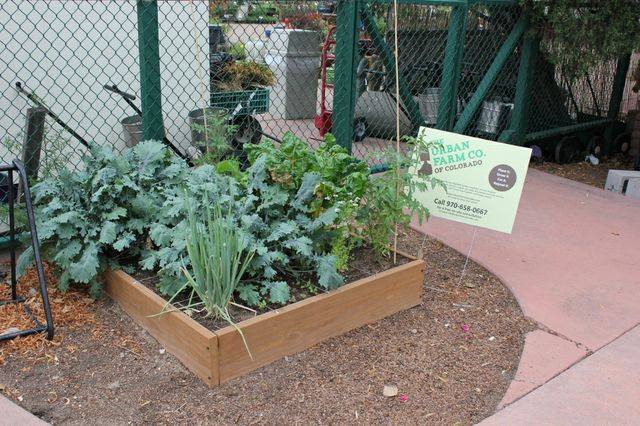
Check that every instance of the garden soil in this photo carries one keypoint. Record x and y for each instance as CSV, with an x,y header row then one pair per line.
x,y
451,359
586,172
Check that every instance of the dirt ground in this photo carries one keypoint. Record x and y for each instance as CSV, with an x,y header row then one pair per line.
x,y
451,358
585,172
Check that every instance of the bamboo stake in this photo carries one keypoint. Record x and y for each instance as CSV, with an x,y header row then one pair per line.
x,y
395,35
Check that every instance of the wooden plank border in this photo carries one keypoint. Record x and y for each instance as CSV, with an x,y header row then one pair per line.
x,y
193,344
220,356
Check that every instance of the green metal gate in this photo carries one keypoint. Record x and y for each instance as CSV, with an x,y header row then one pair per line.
x,y
467,66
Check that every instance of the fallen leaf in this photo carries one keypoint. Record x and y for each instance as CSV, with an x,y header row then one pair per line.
x,y
389,391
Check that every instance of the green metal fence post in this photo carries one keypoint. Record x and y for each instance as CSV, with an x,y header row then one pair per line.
x,y
617,92
522,101
452,67
492,73
388,60
344,100
149,48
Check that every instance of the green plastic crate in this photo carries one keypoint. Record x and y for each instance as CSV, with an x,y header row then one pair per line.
x,y
248,104
331,75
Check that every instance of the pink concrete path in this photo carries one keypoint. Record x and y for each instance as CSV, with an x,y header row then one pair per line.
x,y
573,264
601,390
12,415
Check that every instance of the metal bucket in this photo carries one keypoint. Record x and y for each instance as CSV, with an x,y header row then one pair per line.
x,y
428,103
494,117
197,117
132,129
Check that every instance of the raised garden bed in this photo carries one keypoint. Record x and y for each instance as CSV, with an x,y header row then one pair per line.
x,y
217,356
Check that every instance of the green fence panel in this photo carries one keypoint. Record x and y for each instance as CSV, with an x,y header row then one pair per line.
x,y
463,65
150,86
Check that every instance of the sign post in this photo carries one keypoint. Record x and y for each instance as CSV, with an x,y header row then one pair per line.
x,y
482,179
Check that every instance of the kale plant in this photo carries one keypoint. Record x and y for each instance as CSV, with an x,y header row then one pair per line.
x,y
98,217
274,220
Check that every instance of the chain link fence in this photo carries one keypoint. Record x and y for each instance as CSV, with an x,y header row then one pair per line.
x,y
63,53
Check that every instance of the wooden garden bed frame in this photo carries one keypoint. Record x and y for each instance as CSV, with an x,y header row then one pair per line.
x,y
219,356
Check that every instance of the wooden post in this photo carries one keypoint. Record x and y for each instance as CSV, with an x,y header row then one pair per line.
x,y
33,137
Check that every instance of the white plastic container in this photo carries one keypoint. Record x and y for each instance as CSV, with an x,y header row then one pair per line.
x,y
255,50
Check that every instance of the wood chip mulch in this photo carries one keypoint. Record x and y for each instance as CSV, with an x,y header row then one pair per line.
x,y
451,358
585,172
70,310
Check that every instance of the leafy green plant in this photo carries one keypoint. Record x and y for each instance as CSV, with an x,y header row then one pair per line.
x,y
94,218
215,133
342,177
274,220
390,199
579,35
243,75
218,257
342,182
238,51
169,230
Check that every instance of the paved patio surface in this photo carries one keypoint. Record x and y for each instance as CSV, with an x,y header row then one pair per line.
x,y
573,264
12,415
601,390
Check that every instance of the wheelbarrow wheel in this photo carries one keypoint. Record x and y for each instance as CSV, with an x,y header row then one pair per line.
x,y
567,149
248,132
622,143
359,129
594,146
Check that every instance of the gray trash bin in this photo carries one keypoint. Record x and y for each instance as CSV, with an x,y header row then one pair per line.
x,y
294,57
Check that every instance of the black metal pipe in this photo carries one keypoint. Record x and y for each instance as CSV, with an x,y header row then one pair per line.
x,y
36,247
268,136
57,119
27,332
12,235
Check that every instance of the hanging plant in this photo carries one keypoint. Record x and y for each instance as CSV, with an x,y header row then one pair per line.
x,y
243,75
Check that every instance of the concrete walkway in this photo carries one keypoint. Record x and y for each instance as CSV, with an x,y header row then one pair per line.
x,y
601,390
573,264
12,415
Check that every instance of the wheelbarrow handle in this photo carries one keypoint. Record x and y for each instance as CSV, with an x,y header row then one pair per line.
x,y
36,100
128,97
113,88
